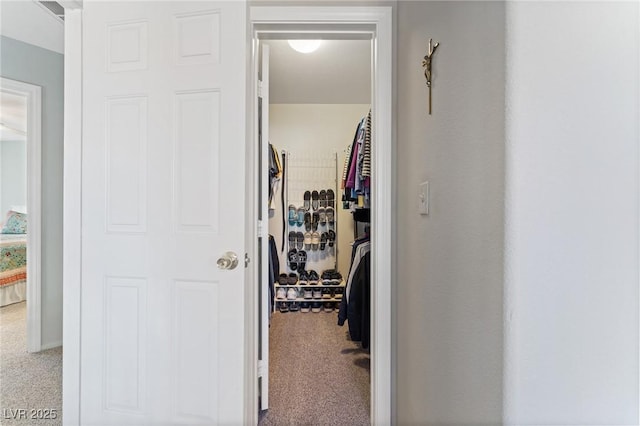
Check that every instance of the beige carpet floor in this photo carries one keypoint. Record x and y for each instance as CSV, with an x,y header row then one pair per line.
x,y
317,375
27,381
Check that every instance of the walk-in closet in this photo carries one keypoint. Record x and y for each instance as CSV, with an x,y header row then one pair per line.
x,y
317,136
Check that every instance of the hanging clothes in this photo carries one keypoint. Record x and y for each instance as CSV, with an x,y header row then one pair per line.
x,y
274,271
366,156
347,163
362,249
356,303
356,176
275,172
358,309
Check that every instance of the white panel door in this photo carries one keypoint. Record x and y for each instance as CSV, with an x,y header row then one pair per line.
x,y
163,184
265,295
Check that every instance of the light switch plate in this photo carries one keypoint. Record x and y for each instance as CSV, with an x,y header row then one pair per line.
x,y
423,198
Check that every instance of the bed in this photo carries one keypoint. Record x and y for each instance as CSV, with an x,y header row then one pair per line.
x,y
13,256
13,268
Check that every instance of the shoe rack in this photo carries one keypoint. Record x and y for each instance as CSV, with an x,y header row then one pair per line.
x,y
332,294
309,172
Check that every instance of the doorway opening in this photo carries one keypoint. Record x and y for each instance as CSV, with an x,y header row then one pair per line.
x,y
316,128
20,203
331,23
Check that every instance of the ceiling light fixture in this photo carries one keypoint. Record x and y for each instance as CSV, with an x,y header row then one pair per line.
x,y
304,46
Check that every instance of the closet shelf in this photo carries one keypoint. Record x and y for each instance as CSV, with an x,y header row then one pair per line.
x,y
319,285
313,299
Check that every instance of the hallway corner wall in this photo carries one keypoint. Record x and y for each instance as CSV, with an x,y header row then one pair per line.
x,y
572,212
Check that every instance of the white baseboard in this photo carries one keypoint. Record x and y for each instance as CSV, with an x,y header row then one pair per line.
x,y
51,345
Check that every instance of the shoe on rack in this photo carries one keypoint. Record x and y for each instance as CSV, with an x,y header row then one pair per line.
x,y
313,277
322,216
281,293
316,307
300,216
307,200
331,237
307,293
331,196
317,293
292,215
314,199
302,259
284,308
307,240
292,294
323,241
326,277
326,293
294,307
339,292
292,257
331,215
299,240
323,198
315,241
315,219
328,307
303,278
283,279
307,221
337,278
292,279
305,306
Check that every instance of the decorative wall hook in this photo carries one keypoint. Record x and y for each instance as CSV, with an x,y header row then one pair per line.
x,y
426,64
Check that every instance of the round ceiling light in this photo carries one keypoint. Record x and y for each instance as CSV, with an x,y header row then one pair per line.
x,y
304,46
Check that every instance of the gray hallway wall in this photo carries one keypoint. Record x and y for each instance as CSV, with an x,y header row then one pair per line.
x,y
450,263
31,64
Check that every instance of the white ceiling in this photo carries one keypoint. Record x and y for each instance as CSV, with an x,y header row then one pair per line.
x,y
13,116
29,22
339,72
32,23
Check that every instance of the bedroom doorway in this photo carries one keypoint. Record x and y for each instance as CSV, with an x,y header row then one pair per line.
x,y
20,202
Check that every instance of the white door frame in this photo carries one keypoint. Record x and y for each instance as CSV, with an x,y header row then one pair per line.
x,y
377,23
379,19
34,205
72,213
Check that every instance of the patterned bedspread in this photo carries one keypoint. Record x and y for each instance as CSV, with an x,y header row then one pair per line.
x,y
13,258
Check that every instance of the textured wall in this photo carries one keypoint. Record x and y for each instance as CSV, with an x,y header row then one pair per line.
x,y
24,62
571,282
450,263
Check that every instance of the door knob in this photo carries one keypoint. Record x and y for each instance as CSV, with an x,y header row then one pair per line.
x,y
229,260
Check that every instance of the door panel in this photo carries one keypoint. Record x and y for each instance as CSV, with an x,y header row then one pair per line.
x,y
163,186
265,296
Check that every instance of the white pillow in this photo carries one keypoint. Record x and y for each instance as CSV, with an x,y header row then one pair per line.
x,y
19,209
